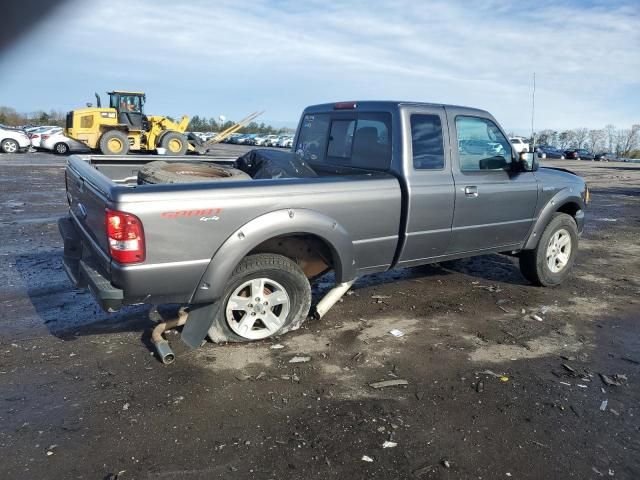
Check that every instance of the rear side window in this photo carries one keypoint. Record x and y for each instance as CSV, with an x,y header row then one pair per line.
x,y
360,140
426,142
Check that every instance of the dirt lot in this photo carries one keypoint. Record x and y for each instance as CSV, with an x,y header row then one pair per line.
x,y
492,392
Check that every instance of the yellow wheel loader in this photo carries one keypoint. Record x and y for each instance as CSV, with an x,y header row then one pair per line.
x,y
123,126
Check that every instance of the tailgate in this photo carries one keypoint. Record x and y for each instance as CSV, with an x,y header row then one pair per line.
x,y
87,205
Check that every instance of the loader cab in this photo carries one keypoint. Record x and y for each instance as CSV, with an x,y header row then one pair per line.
x,y
129,106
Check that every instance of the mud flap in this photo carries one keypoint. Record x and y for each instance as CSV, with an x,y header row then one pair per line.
x,y
199,321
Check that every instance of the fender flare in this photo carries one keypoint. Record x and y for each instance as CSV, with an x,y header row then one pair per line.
x,y
564,196
267,226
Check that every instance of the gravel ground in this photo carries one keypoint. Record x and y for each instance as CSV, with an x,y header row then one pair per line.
x,y
491,392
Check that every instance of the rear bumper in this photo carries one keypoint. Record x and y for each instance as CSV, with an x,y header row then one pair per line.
x,y
84,271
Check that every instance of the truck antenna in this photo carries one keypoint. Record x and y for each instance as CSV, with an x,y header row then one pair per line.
x,y
533,109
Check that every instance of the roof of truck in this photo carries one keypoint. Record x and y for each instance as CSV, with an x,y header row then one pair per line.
x,y
370,105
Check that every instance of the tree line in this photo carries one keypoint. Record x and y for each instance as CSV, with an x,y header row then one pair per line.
x,y
624,142
9,116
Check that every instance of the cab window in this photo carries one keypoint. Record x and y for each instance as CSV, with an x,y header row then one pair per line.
x,y
481,145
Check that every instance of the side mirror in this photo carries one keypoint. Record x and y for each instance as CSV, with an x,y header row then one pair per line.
x,y
528,161
89,104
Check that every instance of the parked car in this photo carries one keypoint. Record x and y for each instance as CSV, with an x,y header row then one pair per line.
x,y
13,140
605,157
545,151
59,143
579,154
286,141
519,144
242,253
36,135
271,141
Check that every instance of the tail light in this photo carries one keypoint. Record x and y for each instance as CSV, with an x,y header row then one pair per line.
x,y
44,137
126,237
35,135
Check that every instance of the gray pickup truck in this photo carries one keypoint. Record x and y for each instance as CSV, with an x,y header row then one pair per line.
x,y
389,185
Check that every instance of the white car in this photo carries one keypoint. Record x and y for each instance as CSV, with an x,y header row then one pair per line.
x,y
271,141
13,140
286,142
59,143
519,144
36,135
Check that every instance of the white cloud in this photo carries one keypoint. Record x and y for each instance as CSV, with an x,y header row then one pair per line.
x,y
235,57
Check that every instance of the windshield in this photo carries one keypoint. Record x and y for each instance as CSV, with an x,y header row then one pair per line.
x,y
359,140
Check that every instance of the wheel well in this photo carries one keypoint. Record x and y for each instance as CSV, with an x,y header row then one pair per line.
x,y
569,208
313,254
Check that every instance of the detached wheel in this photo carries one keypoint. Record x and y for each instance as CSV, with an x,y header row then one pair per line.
x,y
61,148
9,146
114,142
175,143
267,295
550,263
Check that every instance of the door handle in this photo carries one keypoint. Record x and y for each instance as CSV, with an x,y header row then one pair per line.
x,y
471,191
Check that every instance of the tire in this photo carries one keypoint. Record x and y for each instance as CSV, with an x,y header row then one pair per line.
x,y
248,320
61,148
536,265
182,172
9,146
175,143
114,142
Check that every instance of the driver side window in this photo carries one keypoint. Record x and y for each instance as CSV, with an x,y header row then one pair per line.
x,y
481,145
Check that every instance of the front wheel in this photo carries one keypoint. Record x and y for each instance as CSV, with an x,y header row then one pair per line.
x,y
9,146
550,263
267,295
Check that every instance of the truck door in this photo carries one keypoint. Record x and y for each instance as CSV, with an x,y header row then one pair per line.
x,y
494,204
429,184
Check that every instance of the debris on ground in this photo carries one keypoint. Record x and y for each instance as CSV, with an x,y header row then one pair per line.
x,y
603,405
613,380
51,449
446,463
125,406
536,317
489,288
489,372
480,387
504,378
367,458
300,359
388,383
388,444
396,333
242,376
277,346
380,297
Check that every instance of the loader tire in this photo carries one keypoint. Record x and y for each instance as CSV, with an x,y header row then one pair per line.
x,y
187,172
174,143
114,142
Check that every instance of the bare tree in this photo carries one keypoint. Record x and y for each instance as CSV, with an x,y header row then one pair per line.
x,y
580,137
566,139
595,140
610,137
547,137
628,140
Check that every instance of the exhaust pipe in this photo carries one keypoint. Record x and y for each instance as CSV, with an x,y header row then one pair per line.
x,y
162,346
331,298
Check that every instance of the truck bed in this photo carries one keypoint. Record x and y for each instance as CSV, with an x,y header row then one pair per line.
x,y
185,224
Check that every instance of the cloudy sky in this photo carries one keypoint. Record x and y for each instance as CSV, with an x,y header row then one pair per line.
x,y
234,57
